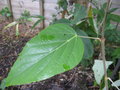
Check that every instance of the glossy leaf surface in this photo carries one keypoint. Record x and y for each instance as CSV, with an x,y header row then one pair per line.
x,y
53,51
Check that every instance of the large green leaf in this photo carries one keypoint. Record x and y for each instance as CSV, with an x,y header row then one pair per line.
x,y
53,51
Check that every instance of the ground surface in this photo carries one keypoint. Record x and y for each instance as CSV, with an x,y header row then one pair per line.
x,y
11,46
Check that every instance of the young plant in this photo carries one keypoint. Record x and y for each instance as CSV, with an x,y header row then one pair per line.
x,y
6,13
25,17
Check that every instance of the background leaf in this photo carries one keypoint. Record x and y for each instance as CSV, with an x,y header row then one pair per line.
x,y
64,21
79,13
116,53
114,17
117,83
99,69
88,50
91,19
36,23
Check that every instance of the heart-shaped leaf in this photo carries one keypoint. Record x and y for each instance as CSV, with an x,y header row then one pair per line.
x,y
53,51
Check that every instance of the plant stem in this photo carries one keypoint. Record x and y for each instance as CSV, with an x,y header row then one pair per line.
x,y
103,42
113,83
90,37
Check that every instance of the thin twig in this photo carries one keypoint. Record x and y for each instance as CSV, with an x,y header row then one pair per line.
x,y
113,83
107,8
103,42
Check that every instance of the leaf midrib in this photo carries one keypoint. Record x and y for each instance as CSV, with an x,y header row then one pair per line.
x,y
75,36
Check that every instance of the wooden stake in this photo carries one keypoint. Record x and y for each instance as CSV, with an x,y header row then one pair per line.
x,y
41,6
10,8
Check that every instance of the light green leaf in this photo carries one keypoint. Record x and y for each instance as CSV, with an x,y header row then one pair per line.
x,y
2,86
53,51
104,88
99,69
116,83
10,25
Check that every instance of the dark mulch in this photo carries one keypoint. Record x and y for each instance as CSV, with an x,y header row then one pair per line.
x,y
76,79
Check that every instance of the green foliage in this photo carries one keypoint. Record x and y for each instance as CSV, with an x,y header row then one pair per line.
x,y
65,21
112,36
92,20
78,21
88,48
63,4
56,49
5,12
116,53
90,23
26,13
114,17
40,19
25,17
87,44
78,14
